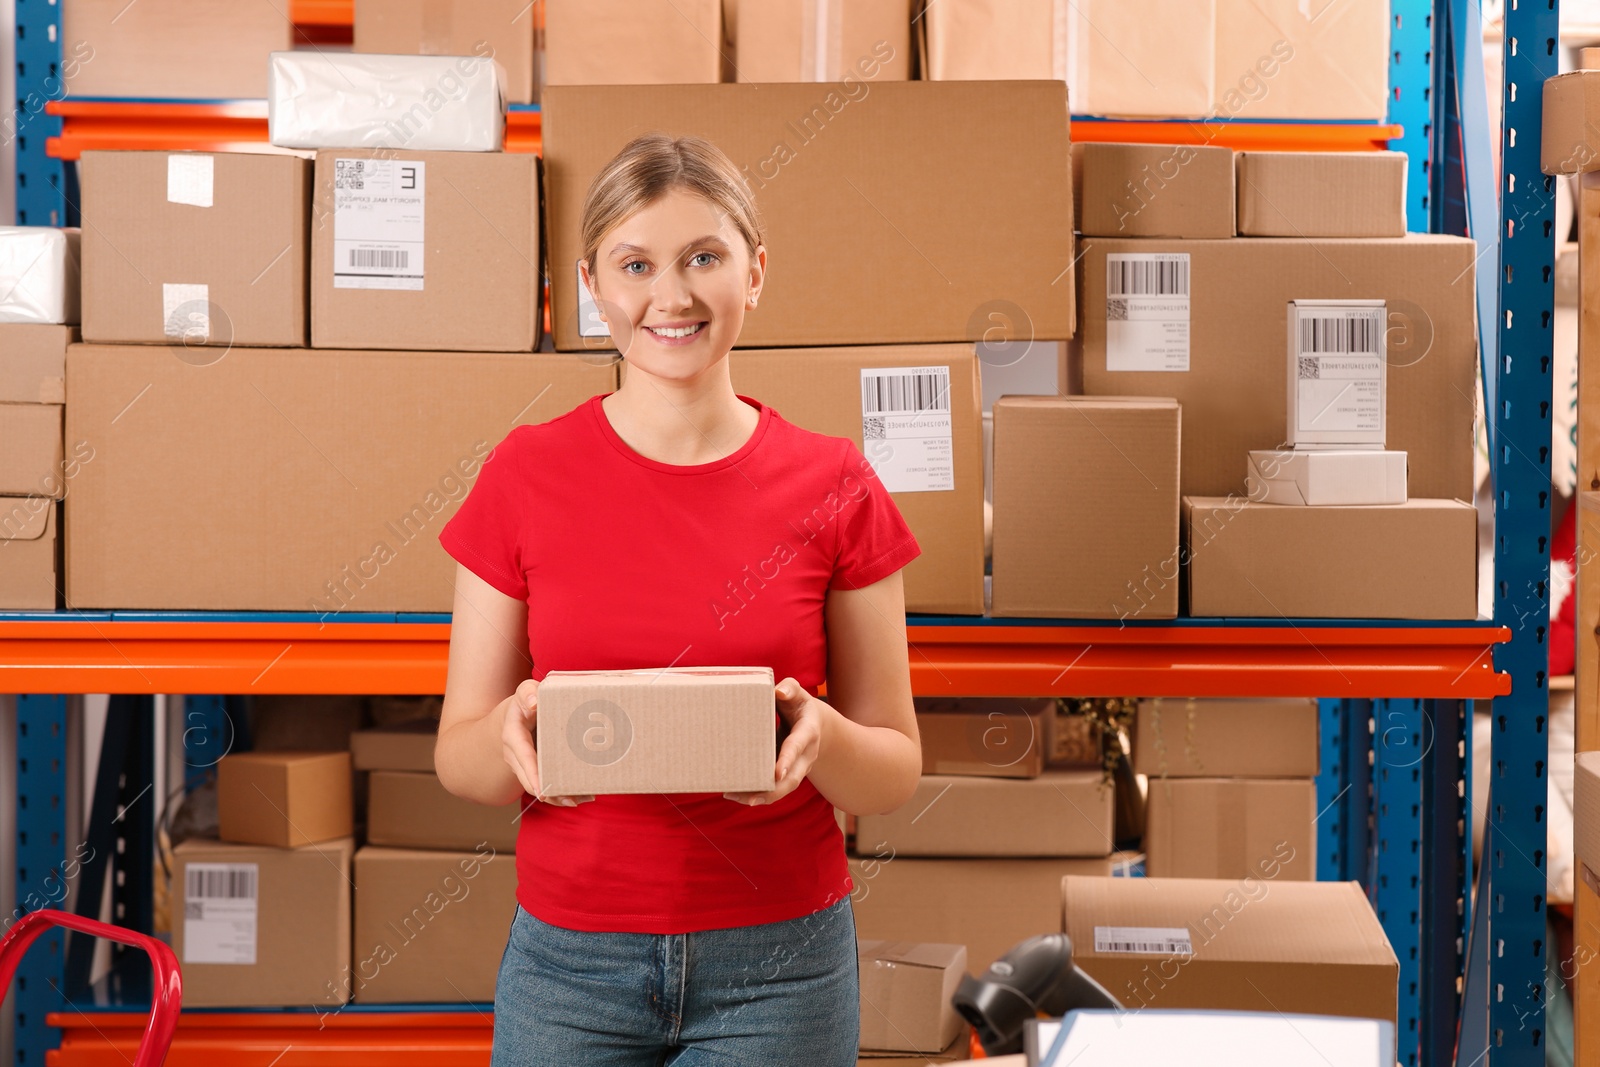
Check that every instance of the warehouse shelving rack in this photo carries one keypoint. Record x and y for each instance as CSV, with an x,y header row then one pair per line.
x,y
1394,796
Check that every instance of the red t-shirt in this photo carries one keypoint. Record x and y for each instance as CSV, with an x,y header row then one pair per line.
x,y
629,563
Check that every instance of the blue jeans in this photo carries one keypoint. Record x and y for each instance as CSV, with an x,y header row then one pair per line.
x,y
764,995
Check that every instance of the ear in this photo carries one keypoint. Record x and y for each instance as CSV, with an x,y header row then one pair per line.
x,y
589,284
758,276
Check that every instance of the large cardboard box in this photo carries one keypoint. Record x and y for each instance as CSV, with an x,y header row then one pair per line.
x,y
929,458
1227,827
1085,507
1151,59
1570,141
1153,190
34,367
931,260
953,1053
1252,944
1061,813
1586,809
803,41
905,994
1417,560
210,49
194,248
501,28
327,474
1293,60
430,926
284,799
991,40
426,250
31,453
1223,738
1223,340
1322,194
993,737
989,905
406,746
669,730
409,809
262,927
30,553
632,42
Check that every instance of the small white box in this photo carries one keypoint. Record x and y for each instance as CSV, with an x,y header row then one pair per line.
x,y
38,275
1315,478
1337,374
410,103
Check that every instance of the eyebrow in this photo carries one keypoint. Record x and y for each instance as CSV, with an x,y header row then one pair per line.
x,y
709,239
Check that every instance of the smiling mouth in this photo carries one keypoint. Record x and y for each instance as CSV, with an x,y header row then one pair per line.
x,y
680,334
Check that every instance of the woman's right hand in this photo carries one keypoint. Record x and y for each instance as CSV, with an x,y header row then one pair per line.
x,y
516,742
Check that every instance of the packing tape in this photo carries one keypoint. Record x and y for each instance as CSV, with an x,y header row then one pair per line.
x,y
1060,54
438,28
190,178
821,40
887,951
186,312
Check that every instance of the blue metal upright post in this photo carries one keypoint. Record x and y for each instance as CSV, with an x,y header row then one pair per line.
x,y
1399,746
42,880
40,78
1411,100
1333,791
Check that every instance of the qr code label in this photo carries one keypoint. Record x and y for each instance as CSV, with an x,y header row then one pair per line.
x,y
1310,367
873,429
1116,311
194,909
349,173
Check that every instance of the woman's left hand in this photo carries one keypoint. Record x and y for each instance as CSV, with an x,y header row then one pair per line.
x,y
804,714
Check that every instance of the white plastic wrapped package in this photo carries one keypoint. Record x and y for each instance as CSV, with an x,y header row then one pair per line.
x,y
415,103
38,274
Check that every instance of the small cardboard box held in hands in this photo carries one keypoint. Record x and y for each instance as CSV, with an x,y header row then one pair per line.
x,y
666,730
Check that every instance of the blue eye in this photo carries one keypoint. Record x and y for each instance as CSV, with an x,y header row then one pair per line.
x,y
697,255
632,263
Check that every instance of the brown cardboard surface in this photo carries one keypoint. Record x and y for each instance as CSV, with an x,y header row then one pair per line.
x,y
301,929
819,389
1225,738
1151,190
1085,507
674,730
430,926
502,28
408,809
310,459
631,42
780,41
402,747
1417,560
868,166
1570,141
1227,827
480,291
905,995
987,40
1061,813
1322,194
30,450
1233,393
995,737
283,799
989,905
1149,59
1260,944
1073,740
247,249
1586,809
212,49
30,549
1284,59
33,369
957,1047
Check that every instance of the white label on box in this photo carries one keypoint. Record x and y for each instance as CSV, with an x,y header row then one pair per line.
x,y
378,223
219,912
589,322
905,428
186,312
1339,367
189,179
1147,311
1150,940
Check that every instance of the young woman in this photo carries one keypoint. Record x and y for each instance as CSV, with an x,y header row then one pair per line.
x,y
676,523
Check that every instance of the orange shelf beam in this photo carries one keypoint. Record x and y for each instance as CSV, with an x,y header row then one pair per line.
x,y
322,12
110,656
1242,136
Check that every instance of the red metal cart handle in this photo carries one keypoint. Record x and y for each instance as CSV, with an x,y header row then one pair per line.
x,y
167,987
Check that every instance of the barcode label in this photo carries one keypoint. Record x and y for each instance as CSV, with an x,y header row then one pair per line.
x,y
923,389
378,223
220,906
1148,940
1336,373
906,427
1147,311
1319,334
227,882
384,258
1147,275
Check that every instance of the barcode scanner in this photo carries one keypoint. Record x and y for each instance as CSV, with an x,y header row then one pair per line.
x,y
1036,979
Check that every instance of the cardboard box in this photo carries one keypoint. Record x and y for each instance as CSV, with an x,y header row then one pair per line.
x,y
905,995
932,467
454,265
951,1053
1153,190
1322,194
34,368
991,40
499,28
163,49
39,276
632,42
930,260
1159,1038
283,439
1073,740
1114,43
994,737
1225,344
1586,809
431,927
1224,738
989,905
194,248
1060,813
30,553
1571,129
1254,944
667,730
283,799
1085,507
1316,479
408,809
800,41
403,747
30,450
260,927
1228,827
1417,560
1289,60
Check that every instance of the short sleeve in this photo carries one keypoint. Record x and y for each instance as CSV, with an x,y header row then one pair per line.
x,y
874,540
485,533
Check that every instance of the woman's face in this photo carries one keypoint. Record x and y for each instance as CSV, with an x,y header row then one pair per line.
x,y
673,283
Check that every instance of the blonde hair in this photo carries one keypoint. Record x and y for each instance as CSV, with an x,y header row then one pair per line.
x,y
652,165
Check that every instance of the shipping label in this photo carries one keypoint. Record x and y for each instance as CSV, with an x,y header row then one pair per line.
x,y
378,240
1147,311
1151,940
906,427
219,912
1339,370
